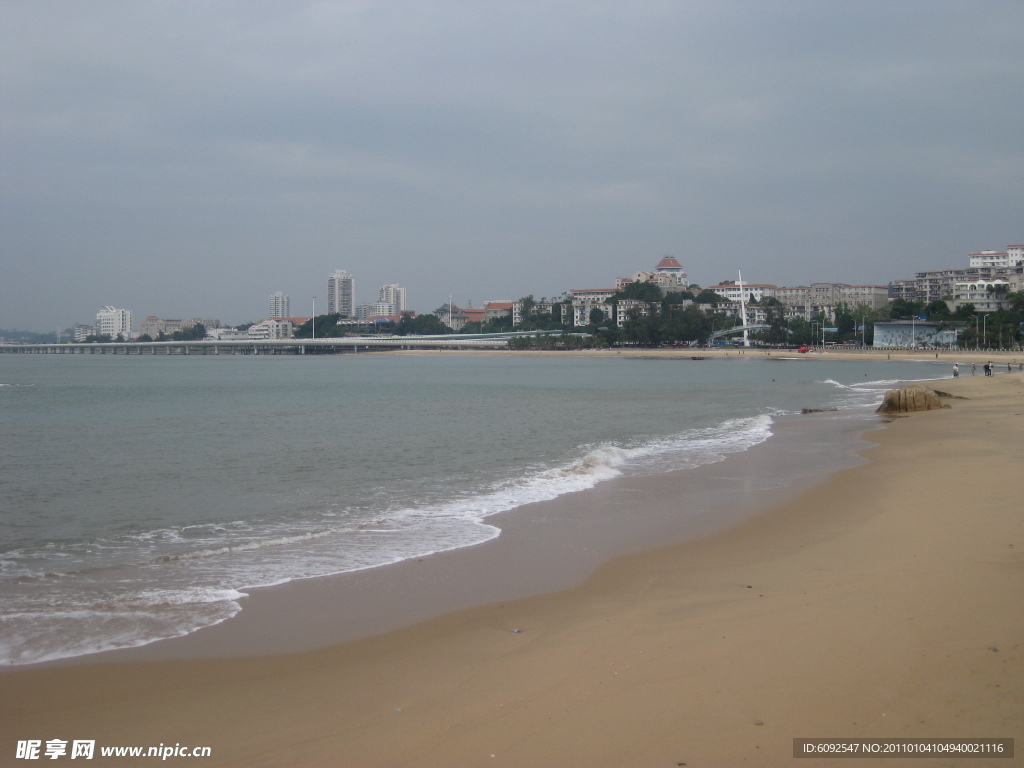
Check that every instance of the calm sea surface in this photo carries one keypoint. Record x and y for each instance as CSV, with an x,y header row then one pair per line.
x,y
141,496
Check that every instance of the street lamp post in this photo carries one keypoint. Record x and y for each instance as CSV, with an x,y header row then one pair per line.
x,y
984,329
312,320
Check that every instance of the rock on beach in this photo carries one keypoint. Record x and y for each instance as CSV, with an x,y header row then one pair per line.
x,y
909,399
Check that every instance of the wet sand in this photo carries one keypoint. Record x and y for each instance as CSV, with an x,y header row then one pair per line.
x,y
882,602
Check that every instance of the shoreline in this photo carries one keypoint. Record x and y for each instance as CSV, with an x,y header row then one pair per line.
x,y
543,547
825,616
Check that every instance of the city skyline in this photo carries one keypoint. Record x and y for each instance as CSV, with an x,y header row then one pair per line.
x,y
492,150
985,266
391,298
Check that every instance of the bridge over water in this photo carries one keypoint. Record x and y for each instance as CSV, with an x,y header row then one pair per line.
x,y
738,329
273,346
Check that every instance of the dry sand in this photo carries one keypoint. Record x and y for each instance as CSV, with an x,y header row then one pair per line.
x,y
885,602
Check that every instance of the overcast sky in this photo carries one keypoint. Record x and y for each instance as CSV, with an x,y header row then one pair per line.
x,y
186,159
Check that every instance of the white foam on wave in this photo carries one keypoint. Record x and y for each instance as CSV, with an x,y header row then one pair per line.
x,y
184,589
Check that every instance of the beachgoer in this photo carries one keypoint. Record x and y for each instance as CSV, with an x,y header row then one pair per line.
x,y
973,366
956,370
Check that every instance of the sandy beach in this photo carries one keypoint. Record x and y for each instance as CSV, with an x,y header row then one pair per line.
x,y
881,603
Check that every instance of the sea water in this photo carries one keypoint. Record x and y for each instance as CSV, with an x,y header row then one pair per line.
x,y
140,496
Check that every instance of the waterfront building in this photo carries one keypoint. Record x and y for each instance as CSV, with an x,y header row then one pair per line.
x,y
986,295
916,334
227,334
542,307
581,311
586,299
380,309
627,309
494,310
941,284
750,291
467,315
273,328
280,305
446,313
393,294
113,322
341,288
153,326
1013,256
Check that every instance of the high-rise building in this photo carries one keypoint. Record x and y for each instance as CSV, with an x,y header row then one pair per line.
x,y
394,294
341,289
111,322
280,305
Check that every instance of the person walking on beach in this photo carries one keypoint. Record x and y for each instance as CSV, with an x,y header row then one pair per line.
x,y
973,367
956,370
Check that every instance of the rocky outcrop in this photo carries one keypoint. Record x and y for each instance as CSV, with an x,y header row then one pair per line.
x,y
914,397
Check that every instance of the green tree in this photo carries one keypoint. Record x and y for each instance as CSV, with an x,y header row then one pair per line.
x,y
775,317
800,332
965,312
639,291
845,322
421,325
644,330
707,296
326,327
901,309
687,325
195,332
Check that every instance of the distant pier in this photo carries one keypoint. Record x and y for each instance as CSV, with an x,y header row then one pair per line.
x,y
329,346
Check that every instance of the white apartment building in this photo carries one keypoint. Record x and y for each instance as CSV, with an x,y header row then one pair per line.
x,y
874,296
632,307
111,322
380,309
279,305
341,290
1013,256
539,308
586,299
981,293
274,328
153,326
750,291
393,294
936,284
581,312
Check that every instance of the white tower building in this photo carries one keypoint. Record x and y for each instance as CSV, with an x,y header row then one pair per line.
x,y
280,305
111,322
393,294
341,289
